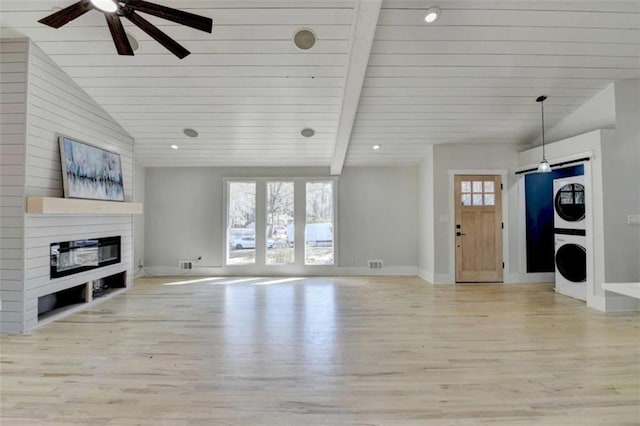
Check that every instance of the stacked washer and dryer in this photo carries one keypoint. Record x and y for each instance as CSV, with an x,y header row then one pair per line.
x,y
570,236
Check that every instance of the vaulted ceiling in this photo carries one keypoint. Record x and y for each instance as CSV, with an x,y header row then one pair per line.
x,y
377,75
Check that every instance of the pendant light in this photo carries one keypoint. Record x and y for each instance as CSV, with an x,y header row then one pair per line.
x,y
544,166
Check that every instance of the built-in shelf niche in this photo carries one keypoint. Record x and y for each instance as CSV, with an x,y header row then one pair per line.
x,y
105,286
71,206
51,305
65,302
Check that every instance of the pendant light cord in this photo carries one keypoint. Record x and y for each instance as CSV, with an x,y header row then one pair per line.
x,y
541,99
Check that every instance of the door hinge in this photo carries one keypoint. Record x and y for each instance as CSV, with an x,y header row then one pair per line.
x,y
502,225
501,186
502,265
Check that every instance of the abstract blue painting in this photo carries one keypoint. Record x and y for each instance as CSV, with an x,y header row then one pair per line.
x,y
89,172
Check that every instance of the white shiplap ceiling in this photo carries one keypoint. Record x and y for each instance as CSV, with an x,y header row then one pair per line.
x,y
377,75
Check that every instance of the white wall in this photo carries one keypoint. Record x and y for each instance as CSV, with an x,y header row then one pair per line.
x,y
57,106
13,78
377,216
138,220
183,216
621,180
466,158
426,238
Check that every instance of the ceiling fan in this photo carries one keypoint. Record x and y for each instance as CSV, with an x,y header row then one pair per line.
x,y
114,9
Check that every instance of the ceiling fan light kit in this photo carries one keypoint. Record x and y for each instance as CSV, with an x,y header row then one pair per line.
x,y
115,9
107,6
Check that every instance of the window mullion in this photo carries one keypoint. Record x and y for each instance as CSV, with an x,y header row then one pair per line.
x,y
261,222
300,209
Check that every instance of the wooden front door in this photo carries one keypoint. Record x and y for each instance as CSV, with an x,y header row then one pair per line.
x,y
478,211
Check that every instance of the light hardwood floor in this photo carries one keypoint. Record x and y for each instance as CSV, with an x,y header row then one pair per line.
x,y
326,351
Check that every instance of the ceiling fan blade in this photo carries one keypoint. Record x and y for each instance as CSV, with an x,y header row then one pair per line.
x,y
119,35
192,20
159,36
68,14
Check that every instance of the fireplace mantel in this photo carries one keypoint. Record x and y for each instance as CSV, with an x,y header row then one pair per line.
x,y
72,206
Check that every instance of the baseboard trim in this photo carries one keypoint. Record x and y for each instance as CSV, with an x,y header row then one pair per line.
x,y
267,271
614,303
622,304
426,275
387,270
443,279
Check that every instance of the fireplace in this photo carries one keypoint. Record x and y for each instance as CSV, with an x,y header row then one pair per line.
x,y
72,257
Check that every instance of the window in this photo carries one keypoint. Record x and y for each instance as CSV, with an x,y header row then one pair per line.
x,y
262,217
477,193
319,224
241,223
280,223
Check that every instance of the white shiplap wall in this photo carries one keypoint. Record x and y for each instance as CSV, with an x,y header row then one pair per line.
x,y
13,77
57,106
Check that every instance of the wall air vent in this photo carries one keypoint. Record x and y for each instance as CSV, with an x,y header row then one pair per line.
x,y
375,264
185,264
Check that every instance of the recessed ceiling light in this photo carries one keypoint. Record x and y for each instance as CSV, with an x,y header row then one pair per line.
x,y
376,147
108,6
174,146
190,132
432,14
308,132
304,39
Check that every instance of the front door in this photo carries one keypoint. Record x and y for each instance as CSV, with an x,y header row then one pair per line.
x,y
478,201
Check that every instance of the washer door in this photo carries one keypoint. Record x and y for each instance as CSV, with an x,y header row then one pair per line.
x,y
571,262
569,202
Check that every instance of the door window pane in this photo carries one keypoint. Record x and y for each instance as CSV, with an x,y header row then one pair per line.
x,y
488,186
319,234
241,223
280,224
477,186
489,199
466,199
477,199
465,186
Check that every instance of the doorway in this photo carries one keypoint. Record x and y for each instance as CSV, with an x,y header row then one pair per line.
x,y
478,228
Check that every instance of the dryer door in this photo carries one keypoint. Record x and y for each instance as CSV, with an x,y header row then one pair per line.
x,y
569,202
571,262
